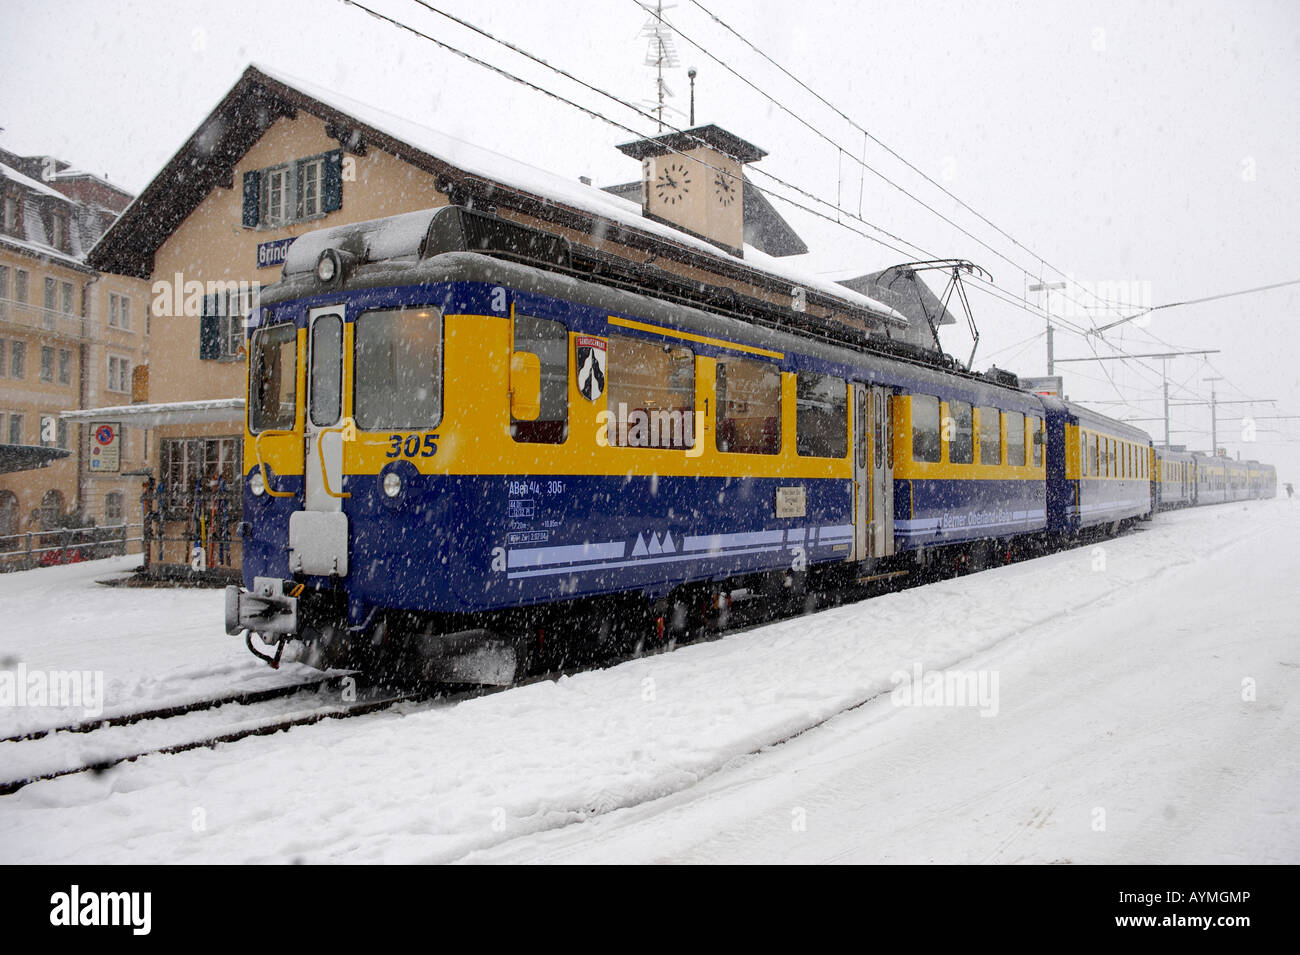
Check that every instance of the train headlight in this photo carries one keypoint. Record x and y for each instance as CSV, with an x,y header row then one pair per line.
x,y
392,484
256,484
327,266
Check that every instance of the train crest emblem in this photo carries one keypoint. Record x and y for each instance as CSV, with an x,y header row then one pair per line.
x,y
590,356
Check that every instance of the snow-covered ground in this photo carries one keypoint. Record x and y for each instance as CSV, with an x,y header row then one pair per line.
x,y
1140,704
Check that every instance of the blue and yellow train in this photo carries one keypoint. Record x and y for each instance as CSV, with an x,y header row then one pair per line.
x,y
453,432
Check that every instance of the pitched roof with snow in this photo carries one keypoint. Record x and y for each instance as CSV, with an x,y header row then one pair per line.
x,y
464,170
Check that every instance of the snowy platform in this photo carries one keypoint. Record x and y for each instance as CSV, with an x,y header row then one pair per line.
x,y
1138,701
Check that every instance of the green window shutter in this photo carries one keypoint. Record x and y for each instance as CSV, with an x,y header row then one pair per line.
x,y
332,192
209,330
252,187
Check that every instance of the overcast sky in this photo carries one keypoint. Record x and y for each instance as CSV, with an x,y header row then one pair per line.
x,y
1120,141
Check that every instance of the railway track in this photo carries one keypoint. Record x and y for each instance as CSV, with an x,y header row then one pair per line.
x,y
246,724
167,712
744,614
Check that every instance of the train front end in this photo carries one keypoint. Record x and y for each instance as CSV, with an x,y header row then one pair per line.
x,y
358,508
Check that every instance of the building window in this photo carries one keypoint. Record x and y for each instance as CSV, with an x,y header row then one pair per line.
x,y
821,428
221,327
4,290
112,311
205,467
51,294
961,446
651,388
15,429
47,363
61,433
549,341
119,374
12,217
65,366
124,312
311,179
17,359
113,507
275,184
990,436
60,233
67,298
51,510
8,520
293,192
925,429
4,365
21,279
749,407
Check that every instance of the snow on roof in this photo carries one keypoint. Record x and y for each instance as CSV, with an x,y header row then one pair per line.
x,y
508,171
166,412
8,172
45,251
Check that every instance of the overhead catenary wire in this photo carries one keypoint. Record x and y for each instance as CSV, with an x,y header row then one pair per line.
x,y
1007,296
989,287
842,150
868,135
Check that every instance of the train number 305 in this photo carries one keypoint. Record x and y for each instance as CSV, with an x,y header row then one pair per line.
x,y
412,446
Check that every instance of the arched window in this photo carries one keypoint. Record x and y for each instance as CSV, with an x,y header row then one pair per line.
x,y
8,520
51,510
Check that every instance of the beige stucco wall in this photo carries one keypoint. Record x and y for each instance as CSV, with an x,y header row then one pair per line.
x,y
88,339
212,244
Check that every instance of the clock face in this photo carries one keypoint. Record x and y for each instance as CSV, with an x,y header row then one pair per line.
x,y
723,189
673,184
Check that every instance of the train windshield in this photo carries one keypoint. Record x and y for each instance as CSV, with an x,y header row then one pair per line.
x,y
273,379
398,361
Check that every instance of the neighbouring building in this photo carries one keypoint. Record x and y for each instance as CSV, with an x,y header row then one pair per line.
x,y
70,337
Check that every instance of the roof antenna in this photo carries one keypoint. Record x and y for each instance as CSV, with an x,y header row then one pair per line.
x,y
661,52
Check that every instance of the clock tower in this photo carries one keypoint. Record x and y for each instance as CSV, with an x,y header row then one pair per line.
x,y
692,181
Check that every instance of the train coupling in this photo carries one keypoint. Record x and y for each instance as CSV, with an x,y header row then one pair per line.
x,y
265,608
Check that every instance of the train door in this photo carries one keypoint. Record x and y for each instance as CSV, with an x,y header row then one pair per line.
x,y
882,479
873,473
318,534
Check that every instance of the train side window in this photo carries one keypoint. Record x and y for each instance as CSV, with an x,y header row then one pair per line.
x,y
398,369
1015,438
749,407
961,448
925,429
990,436
821,416
549,341
1037,437
651,388
273,379
1094,460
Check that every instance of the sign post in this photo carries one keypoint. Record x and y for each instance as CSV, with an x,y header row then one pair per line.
x,y
105,447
